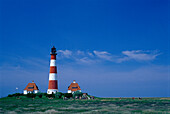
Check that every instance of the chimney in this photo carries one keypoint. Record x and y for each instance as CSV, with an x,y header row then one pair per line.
x,y
74,81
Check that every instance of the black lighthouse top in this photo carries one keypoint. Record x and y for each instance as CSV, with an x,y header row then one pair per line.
x,y
53,51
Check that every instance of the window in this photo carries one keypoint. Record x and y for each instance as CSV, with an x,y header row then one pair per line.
x,y
30,87
74,87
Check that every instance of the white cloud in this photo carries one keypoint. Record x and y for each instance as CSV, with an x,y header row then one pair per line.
x,y
86,60
80,52
139,55
65,53
90,54
103,55
119,60
98,56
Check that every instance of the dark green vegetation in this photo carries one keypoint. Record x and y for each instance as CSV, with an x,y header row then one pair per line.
x,y
97,105
58,95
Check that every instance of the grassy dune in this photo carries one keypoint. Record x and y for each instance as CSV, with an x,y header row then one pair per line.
x,y
98,105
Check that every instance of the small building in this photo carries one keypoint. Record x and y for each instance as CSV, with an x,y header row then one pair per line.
x,y
31,88
74,87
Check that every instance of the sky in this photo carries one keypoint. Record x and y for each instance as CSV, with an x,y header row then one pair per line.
x,y
112,48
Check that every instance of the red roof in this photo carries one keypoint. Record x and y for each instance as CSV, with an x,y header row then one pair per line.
x,y
74,86
31,87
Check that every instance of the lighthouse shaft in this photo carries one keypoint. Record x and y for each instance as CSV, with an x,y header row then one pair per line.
x,y
53,82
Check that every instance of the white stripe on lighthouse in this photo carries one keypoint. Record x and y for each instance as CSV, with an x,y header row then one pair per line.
x,y
53,62
53,76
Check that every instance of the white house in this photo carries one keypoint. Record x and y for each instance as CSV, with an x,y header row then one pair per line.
x,y
73,87
31,88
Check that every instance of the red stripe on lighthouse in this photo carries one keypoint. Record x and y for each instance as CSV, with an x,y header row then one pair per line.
x,y
53,57
53,69
53,84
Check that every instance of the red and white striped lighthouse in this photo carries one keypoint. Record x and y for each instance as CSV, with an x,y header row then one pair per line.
x,y
53,83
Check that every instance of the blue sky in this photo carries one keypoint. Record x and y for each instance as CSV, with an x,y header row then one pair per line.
x,y
112,48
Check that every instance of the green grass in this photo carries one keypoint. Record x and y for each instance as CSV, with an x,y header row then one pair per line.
x,y
98,105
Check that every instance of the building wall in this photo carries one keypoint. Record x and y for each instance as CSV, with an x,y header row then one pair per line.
x,y
50,91
69,91
36,91
25,92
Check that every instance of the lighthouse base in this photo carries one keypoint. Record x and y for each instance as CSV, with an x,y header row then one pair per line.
x,y
52,91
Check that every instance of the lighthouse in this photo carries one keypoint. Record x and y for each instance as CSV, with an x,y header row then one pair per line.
x,y
53,83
